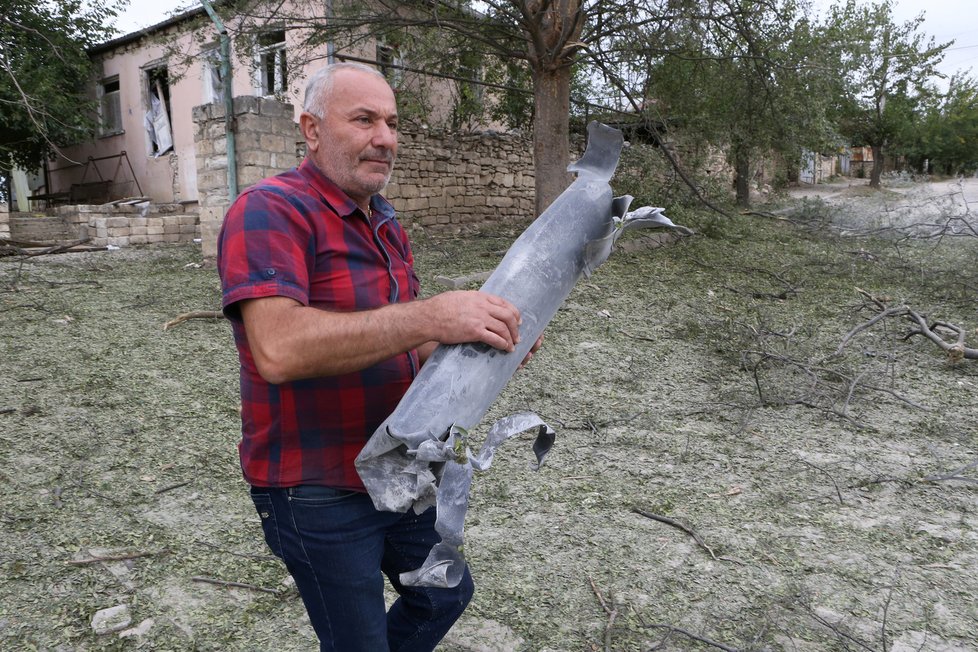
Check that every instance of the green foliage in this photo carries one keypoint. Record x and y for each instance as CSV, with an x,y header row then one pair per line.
x,y
741,84
513,105
647,175
43,71
882,72
944,137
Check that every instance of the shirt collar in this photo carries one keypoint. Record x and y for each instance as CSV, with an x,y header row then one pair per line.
x,y
338,200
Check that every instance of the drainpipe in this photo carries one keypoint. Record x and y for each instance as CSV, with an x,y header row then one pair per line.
x,y
232,154
330,48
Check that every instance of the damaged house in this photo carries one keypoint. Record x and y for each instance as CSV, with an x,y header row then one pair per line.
x,y
157,168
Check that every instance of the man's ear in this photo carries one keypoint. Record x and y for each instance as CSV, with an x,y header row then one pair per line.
x,y
309,126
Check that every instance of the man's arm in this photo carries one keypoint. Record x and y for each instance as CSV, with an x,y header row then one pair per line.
x,y
290,341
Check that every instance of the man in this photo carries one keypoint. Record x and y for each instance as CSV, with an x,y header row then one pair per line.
x,y
319,286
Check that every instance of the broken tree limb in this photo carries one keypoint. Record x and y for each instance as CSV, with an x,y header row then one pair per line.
x,y
193,314
31,249
125,557
236,585
955,351
678,525
612,614
695,637
954,475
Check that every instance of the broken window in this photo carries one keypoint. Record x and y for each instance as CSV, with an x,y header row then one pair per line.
x,y
110,107
211,75
157,119
273,78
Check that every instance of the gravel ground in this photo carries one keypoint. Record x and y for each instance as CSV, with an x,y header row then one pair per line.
x,y
724,476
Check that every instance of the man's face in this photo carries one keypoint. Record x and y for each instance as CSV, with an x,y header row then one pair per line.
x,y
355,142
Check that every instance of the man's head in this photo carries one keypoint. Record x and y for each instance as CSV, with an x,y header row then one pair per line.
x,y
349,122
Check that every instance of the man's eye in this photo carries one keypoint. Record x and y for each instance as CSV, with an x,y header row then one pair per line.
x,y
392,126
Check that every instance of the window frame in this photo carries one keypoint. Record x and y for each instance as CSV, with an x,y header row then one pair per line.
x,y
280,71
106,129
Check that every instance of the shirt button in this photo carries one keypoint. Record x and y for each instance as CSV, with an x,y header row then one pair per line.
x,y
270,272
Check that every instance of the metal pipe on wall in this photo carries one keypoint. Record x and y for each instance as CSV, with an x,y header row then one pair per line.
x,y
225,44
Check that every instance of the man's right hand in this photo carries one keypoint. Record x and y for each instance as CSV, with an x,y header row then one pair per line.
x,y
473,316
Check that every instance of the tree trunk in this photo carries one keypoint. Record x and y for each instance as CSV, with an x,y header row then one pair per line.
x,y
874,177
551,137
742,177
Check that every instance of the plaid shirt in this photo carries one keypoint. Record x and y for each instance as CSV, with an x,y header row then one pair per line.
x,y
297,235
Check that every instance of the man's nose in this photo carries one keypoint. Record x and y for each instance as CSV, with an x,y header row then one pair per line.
x,y
384,136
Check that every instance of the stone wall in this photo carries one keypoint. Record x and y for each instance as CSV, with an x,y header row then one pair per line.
x,y
441,180
265,140
132,224
448,181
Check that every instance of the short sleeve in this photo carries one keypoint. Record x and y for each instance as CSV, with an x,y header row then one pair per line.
x,y
265,249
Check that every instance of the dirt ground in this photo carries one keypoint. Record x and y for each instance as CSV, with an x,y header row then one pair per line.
x,y
726,475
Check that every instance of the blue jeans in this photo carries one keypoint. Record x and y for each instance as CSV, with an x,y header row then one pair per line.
x,y
336,544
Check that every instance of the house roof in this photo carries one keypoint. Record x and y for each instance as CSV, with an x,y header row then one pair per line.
x,y
147,31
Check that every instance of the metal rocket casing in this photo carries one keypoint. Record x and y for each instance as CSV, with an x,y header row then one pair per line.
x,y
458,383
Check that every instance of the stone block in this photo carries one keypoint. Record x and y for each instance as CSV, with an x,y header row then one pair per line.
x,y
416,204
249,175
254,157
216,162
275,143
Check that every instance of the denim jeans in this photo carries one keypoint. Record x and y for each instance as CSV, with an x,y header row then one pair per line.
x,y
336,544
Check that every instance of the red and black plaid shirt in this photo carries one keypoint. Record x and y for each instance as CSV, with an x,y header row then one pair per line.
x,y
298,235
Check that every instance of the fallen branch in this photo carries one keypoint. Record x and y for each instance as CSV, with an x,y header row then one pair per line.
x,y
954,475
678,525
163,490
236,585
194,314
612,615
95,560
636,337
955,351
838,491
695,637
31,249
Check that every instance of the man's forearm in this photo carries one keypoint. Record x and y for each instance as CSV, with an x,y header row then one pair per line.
x,y
290,341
